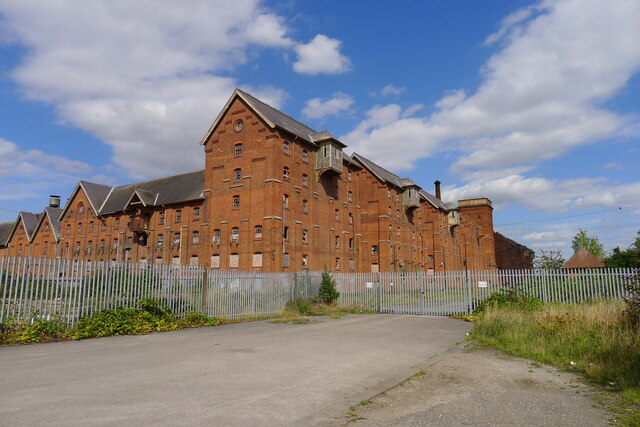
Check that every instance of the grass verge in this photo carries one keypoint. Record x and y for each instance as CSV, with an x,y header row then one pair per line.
x,y
595,339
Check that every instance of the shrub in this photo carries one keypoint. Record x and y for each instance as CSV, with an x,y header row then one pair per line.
x,y
158,308
328,293
303,306
632,299
12,332
509,298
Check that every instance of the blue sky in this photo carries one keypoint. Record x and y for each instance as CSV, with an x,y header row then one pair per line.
x,y
531,103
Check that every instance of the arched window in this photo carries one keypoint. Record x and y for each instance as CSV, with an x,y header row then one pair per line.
x,y
285,173
236,202
237,175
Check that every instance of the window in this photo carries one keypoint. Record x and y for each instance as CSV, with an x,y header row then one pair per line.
x,y
337,215
478,217
46,247
80,207
178,216
117,224
258,230
397,197
304,206
305,260
160,241
236,202
159,260
161,219
235,234
234,260
257,259
305,156
194,260
305,236
430,258
237,175
196,214
350,196
89,246
352,265
91,227
285,173
196,238
68,228
103,226
285,200
77,250
215,261
350,244
237,150
176,239
337,241
216,236
350,218
175,260
101,247
349,176
388,194
337,263
285,233
398,231
79,227
305,180
285,147
66,247
374,249
114,246
285,260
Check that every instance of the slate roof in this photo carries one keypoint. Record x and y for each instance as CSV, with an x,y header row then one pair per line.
x,y
30,221
385,176
514,243
96,193
583,259
162,191
5,232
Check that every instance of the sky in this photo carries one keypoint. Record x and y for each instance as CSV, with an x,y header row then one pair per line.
x,y
533,104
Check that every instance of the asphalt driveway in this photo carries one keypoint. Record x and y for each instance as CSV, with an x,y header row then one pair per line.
x,y
244,374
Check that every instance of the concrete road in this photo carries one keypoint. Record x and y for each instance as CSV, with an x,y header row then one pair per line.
x,y
244,374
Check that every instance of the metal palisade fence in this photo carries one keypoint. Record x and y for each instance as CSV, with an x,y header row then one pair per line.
x,y
67,290
460,292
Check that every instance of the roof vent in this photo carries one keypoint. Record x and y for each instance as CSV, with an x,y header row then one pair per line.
x,y
54,201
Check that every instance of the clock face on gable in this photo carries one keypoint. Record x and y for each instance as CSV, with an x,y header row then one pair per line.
x,y
238,125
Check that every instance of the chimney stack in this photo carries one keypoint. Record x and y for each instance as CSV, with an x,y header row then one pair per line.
x,y
54,201
437,183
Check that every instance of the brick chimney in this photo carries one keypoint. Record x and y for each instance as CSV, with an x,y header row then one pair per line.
x,y
437,183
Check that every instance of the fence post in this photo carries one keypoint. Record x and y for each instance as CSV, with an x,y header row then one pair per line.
x,y
205,283
296,288
379,293
254,293
468,284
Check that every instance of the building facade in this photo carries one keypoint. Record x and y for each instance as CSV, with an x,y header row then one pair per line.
x,y
274,195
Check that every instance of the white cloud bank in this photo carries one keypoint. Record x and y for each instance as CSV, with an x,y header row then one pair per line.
x,y
146,76
543,93
318,108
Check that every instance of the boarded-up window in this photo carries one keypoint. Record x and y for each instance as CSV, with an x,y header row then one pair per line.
x,y
352,265
193,260
175,260
257,259
159,260
215,261
234,260
375,268
285,260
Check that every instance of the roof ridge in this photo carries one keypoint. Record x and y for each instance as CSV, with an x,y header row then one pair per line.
x,y
158,179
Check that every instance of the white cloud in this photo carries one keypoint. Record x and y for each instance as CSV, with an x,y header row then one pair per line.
x,y
542,93
613,166
318,108
321,55
144,77
392,90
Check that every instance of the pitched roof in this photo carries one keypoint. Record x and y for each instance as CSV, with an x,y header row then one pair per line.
x,y
156,192
5,232
96,193
30,221
583,259
274,118
54,219
388,177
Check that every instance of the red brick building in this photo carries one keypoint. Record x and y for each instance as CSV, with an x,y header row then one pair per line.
x,y
274,195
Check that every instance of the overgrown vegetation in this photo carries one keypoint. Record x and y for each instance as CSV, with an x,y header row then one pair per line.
x,y
598,339
151,315
511,298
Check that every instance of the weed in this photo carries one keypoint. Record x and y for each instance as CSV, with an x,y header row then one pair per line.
x,y
421,373
365,402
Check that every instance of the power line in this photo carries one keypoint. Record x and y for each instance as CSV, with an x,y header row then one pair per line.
x,y
9,210
619,208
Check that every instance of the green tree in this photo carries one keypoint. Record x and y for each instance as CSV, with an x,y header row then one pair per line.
x,y
548,260
591,244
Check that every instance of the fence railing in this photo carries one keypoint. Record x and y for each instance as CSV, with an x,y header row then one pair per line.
x,y
460,292
70,289
33,287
